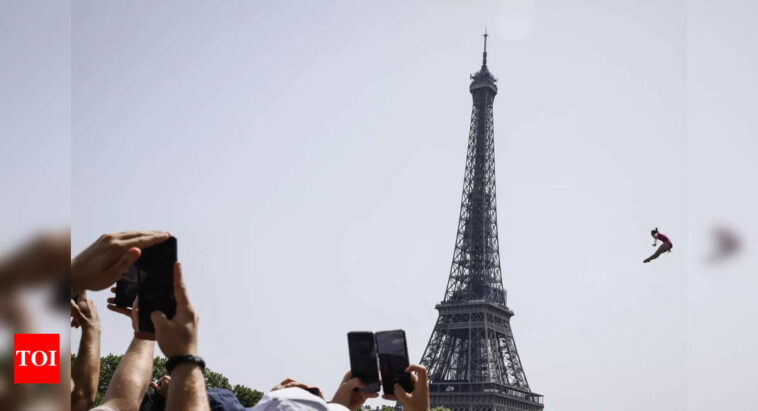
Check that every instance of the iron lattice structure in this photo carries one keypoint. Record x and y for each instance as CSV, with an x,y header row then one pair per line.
x,y
471,356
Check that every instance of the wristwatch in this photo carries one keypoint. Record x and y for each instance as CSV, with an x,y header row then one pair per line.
x,y
180,359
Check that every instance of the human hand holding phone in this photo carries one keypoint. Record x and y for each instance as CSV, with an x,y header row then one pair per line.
x,y
418,399
178,335
151,279
349,392
105,260
133,314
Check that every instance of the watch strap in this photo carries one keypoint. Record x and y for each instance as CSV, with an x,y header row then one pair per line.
x,y
180,359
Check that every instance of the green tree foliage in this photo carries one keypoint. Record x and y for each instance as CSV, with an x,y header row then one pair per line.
x,y
216,380
159,368
440,409
248,397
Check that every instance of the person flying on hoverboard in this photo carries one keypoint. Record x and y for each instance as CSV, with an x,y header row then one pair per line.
x,y
665,247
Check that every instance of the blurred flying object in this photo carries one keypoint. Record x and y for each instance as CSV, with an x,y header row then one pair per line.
x,y
727,244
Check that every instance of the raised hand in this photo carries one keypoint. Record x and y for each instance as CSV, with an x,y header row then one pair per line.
x,y
348,395
104,261
418,400
177,336
84,313
85,371
161,386
133,314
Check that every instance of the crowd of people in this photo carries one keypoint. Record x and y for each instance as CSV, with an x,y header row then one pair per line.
x,y
97,268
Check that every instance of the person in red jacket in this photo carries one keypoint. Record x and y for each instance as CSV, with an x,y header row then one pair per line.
x,y
665,247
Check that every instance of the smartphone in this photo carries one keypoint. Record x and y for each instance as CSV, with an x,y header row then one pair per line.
x,y
362,349
155,282
393,360
126,288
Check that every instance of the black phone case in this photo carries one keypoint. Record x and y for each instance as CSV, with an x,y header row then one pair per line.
x,y
391,375
372,382
127,288
155,281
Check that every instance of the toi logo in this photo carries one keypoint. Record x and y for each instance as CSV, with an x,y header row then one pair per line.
x,y
36,359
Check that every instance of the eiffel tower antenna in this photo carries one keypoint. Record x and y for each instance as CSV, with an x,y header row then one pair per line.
x,y
471,357
484,55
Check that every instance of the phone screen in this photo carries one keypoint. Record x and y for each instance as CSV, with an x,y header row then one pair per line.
x,y
363,359
126,288
155,278
393,360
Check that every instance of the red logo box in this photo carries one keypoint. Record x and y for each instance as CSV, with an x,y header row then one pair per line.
x,y
36,359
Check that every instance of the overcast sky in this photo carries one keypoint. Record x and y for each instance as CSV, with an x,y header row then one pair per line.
x,y
309,158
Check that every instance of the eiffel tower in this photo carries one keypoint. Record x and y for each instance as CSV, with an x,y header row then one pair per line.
x,y
471,357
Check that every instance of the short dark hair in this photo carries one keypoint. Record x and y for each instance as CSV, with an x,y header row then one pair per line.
x,y
654,232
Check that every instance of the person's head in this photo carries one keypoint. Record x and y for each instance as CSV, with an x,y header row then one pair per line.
x,y
293,396
654,232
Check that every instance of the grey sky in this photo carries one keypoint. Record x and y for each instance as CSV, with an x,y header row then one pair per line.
x,y
35,124
309,157
35,117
